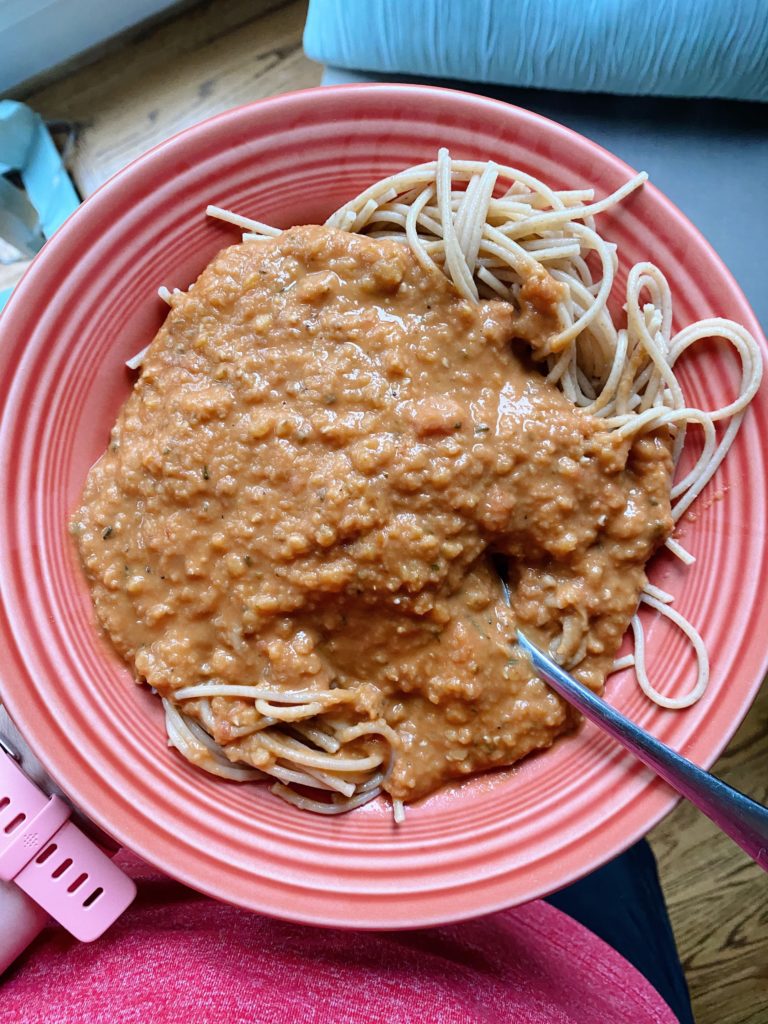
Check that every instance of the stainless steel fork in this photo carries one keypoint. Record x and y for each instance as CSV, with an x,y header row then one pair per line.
x,y
741,818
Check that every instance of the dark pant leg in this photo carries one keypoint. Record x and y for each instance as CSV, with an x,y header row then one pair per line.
x,y
622,902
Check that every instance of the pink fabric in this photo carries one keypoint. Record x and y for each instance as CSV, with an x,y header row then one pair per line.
x,y
178,957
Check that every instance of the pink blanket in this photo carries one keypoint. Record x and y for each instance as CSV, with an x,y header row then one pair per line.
x,y
179,957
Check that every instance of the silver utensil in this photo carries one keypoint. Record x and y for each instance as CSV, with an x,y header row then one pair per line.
x,y
741,818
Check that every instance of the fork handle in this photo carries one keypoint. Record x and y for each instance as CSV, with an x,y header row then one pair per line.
x,y
740,817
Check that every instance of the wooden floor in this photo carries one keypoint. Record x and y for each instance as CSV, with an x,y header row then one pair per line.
x,y
718,899
210,57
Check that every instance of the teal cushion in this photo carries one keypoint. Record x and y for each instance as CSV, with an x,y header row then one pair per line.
x,y
716,48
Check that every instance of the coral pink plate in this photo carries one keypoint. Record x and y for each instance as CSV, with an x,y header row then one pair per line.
x,y
89,301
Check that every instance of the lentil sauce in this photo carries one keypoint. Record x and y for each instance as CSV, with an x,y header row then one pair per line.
x,y
323,453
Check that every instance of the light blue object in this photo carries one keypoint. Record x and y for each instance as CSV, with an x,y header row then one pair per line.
x,y
715,48
30,216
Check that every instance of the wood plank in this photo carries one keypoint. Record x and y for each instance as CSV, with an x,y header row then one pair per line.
x,y
717,898
209,59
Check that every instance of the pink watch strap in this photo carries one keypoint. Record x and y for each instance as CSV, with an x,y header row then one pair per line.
x,y
50,859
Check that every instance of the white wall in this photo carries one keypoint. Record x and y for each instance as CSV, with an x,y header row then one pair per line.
x,y
38,34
